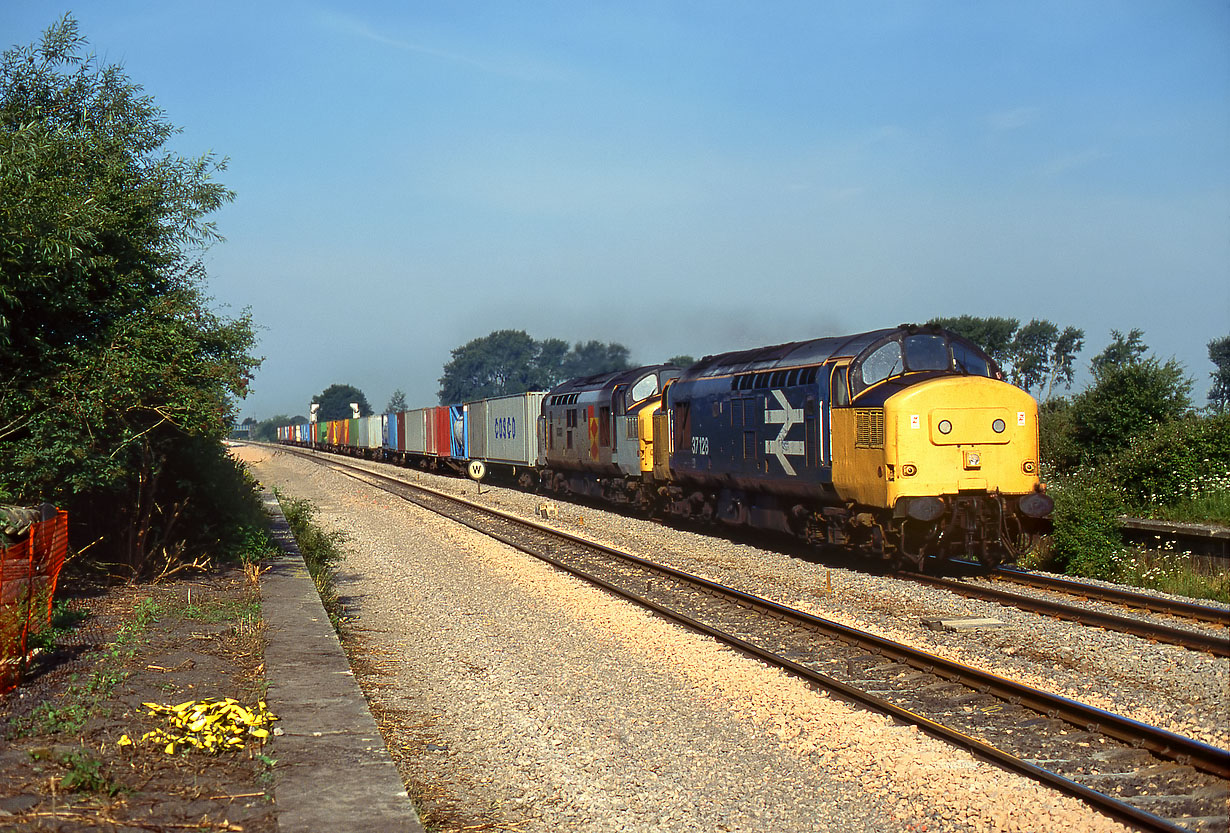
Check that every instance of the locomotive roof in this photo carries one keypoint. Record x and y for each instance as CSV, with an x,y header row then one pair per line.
x,y
791,354
603,381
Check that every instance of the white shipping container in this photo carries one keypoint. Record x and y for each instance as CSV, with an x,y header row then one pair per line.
x,y
416,430
505,429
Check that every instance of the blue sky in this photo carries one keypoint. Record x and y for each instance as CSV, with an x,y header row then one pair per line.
x,y
688,177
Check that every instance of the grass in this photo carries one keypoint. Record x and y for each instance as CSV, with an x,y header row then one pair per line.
x,y
322,552
1170,572
1209,507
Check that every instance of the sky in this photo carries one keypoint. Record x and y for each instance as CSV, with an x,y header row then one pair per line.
x,y
685,177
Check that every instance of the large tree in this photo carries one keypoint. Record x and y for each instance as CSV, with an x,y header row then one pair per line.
x,y
1219,355
510,361
397,402
1036,355
117,380
335,403
593,357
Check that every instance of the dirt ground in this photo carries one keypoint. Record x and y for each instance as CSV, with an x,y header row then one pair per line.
x,y
61,766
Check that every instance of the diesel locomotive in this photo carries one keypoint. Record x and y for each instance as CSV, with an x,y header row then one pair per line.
x,y
903,443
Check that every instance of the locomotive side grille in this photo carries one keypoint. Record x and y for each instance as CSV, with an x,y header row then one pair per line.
x,y
869,427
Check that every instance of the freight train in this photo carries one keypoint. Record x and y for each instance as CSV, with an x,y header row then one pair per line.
x,y
903,443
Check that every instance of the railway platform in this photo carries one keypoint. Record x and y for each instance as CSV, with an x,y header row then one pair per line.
x,y
333,771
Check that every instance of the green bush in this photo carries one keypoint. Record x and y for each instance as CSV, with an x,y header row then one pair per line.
x,y
1179,462
1057,436
1125,402
1086,537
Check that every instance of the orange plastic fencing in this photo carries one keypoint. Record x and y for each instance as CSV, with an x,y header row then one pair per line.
x,y
28,573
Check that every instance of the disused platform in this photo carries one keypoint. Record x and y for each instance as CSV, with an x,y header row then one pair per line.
x,y
333,771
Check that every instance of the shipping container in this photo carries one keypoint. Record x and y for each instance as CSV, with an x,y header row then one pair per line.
x,y
504,429
416,431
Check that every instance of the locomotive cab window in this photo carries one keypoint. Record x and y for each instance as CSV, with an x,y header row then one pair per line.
x,y
644,389
884,362
840,390
918,352
968,359
926,352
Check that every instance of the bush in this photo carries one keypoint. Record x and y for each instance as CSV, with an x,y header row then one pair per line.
x,y
1126,401
1057,436
1180,461
1086,538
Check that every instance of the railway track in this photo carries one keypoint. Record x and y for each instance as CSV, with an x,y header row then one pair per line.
x,y
1146,776
1082,589
1217,644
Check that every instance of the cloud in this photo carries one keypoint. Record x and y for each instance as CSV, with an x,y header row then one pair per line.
x,y
1014,119
525,70
1071,162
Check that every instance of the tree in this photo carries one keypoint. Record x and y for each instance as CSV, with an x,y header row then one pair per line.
x,y
1042,355
594,357
335,402
510,361
1121,351
119,382
1036,355
993,335
1131,395
501,363
397,402
1219,355
681,361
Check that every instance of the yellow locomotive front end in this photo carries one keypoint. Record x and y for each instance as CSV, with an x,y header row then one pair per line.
x,y
961,435
942,451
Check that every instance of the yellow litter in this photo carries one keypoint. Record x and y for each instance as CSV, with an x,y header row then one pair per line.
x,y
207,725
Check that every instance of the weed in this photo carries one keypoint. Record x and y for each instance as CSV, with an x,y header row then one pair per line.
x,y
68,714
85,774
145,613
63,620
265,777
322,552
1170,571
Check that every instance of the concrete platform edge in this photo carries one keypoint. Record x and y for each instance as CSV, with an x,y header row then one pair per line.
x,y
333,771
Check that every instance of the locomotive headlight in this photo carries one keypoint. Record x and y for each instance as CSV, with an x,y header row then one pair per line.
x,y
945,426
909,470
998,426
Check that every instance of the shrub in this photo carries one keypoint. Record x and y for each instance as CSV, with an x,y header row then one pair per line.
x,y
1179,462
1086,538
1126,401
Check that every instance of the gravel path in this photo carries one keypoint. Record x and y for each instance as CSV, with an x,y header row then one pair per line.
x,y
517,697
